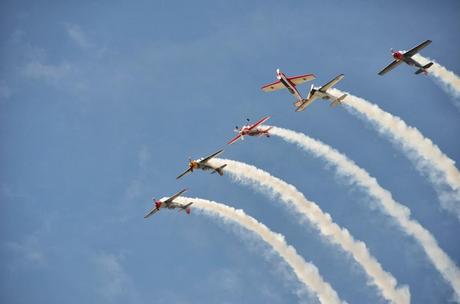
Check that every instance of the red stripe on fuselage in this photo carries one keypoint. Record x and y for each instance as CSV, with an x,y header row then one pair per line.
x,y
288,84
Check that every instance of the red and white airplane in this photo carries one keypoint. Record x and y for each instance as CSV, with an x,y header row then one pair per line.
x,y
289,83
406,56
169,204
251,130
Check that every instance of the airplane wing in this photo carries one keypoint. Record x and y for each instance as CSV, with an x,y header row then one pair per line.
x,y
277,85
301,105
260,122
390,67
151,212
331,83
301,78
185,172
169,200
211,156
234,139
417,49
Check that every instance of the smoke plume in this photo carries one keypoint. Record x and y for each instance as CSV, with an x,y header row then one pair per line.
x,y
288,194
307,273
429,160
349,170
448,80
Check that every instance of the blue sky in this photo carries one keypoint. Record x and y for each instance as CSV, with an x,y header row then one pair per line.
x,y
102,102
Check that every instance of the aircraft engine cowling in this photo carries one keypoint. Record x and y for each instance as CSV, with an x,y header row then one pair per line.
x,y
188,210
397,55
158,205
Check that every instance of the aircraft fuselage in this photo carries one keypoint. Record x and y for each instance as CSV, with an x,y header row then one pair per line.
x,y
245,131
288,84
401,55
318,94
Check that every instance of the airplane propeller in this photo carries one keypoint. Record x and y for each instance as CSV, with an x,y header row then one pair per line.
x,y
311,89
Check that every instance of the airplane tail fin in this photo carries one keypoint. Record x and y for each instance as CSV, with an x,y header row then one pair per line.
x,y
338,101
424,68
219,170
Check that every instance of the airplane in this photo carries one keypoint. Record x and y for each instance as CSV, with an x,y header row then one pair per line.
x,y
406,56
169,204
251,130
321,92
289,83
202,164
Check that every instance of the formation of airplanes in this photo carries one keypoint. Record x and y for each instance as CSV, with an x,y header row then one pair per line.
x,y
257,128
291,83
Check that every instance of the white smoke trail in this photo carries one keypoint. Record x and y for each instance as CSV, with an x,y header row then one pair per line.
x,y
347,168
427,157
294,199
307,273
449,81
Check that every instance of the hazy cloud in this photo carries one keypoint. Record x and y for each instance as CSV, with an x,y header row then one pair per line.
x,y
28,251
78,36
134,190
41,71
114,283
5,91
144,156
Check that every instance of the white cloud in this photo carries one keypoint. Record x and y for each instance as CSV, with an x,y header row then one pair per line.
x,y
114,284
78,36
28,251
112,274
144,156
51,73
134,190
5,91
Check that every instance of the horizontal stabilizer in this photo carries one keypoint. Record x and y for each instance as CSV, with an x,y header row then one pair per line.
x,y
428,65
338,101
219,170
424,69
